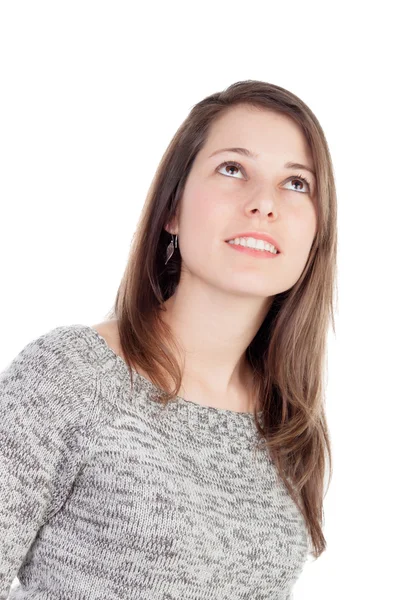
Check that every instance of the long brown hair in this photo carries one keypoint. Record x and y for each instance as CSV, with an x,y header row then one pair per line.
x,y
288,353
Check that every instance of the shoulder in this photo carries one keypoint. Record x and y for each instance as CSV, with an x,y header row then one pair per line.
x,y
52,373
108,330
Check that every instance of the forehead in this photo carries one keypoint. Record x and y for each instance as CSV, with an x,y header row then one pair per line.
x,y
265,132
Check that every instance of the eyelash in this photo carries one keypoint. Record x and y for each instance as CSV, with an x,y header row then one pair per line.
x,y
239,166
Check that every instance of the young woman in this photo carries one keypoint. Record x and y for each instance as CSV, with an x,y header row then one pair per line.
x,y
178,449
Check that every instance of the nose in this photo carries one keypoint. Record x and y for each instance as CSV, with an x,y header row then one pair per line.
x,y
263,203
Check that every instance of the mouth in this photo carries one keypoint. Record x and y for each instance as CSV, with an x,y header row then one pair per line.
x,y
260,237
255,252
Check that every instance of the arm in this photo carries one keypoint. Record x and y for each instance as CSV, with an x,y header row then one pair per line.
x,y
45,407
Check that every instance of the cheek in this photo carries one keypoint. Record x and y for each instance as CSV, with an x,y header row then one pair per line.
x,y
301,232
205,215
198,206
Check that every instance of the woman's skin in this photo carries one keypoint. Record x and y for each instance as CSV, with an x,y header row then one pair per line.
x,y
223,295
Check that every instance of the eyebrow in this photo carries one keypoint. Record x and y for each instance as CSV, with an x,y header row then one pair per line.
x,y
249,154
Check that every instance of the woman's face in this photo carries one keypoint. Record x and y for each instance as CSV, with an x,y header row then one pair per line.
x,y
260,194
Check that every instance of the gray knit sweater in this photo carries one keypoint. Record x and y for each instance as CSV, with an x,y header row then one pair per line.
x,y
108,495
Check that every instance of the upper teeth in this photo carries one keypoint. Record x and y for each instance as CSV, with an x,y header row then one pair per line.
x,y
250,242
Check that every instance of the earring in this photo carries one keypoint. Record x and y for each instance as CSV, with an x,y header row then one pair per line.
x,y
170,249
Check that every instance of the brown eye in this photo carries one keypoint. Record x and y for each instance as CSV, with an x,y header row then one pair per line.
x,y
231,166
301,181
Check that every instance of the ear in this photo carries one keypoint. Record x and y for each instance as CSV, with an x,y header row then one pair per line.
x,y
171,227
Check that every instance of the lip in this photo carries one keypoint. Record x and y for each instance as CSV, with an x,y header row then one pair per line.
x,y
258,235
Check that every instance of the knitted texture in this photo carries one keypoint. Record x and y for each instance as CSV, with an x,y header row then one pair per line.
x,y
106,494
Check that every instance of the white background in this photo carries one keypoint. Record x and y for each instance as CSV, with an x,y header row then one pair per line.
x,y
91,94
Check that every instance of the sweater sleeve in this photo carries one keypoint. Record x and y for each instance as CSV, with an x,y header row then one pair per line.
x,y
47,399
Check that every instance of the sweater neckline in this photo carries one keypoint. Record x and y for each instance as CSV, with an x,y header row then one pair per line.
x,y
186,408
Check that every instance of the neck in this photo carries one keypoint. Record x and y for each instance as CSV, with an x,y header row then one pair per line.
x,y
213,330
